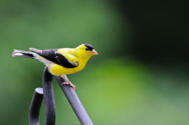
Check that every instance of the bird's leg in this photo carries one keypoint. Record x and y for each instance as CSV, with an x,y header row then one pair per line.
x,y
67,82
70,84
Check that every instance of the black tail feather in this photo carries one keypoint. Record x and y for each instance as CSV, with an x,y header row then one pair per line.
x,y
21,53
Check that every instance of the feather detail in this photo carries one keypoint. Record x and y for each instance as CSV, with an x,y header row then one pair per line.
x,y
27,54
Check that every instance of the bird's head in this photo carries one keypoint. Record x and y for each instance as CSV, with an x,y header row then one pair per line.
x,y
86,50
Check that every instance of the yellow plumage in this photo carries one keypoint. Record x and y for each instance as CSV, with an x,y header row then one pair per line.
x,y
75,55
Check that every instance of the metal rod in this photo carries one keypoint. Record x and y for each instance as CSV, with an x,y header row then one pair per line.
x,y
75,103
35,106
48,98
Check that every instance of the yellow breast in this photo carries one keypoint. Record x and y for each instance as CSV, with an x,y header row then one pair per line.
x,y
60,70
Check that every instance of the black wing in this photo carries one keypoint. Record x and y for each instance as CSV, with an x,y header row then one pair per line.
x,y
52,55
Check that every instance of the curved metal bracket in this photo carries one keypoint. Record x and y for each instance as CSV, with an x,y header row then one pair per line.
x,y
48,98
35,107
48,94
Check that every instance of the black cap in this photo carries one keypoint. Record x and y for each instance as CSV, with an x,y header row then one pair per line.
x,y
89,47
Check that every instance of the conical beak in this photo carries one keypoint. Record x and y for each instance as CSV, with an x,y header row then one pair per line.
x,y
94,52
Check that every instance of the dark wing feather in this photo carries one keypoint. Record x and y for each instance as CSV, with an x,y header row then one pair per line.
x,y
64,61
52,55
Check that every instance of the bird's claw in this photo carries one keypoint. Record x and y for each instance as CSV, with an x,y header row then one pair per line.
x,y
70,84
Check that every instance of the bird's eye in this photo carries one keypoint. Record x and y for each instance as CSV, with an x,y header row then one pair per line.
x,y
89,49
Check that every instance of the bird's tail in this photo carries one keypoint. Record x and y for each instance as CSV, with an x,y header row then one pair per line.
x,y
27,54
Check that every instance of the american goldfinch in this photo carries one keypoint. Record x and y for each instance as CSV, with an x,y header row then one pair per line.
x,y
63,61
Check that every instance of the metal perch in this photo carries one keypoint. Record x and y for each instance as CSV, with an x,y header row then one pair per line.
x,y
75,103
48,94
48,98
35,107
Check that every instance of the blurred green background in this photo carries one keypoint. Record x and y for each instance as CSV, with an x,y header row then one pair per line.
x,y
139,78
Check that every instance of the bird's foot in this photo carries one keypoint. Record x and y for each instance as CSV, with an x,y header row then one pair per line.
x,y
70,84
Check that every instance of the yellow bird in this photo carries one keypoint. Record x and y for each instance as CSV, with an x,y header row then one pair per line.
x,y
63,61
